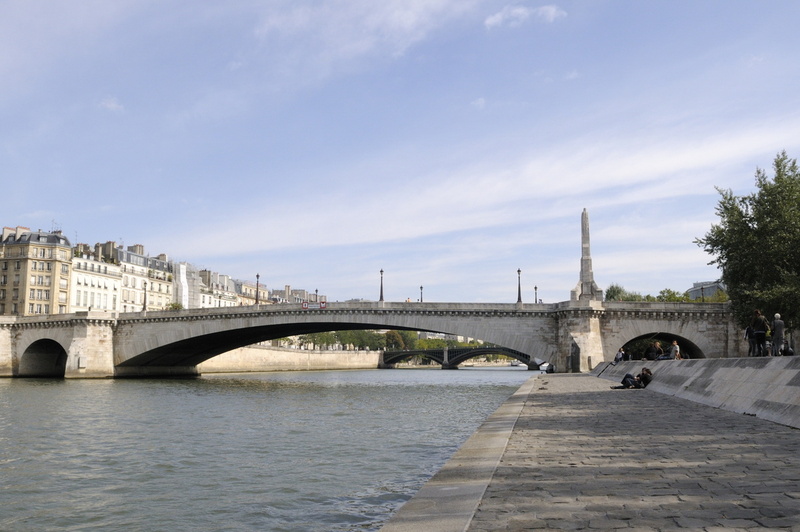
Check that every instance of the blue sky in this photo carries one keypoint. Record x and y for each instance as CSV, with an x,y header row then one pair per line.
x,y
447,142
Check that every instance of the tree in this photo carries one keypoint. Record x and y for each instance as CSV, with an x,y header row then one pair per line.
x,y
671,296
409,339
616,292
394,340
756,243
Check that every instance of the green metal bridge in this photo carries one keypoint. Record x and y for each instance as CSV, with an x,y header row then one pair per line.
x,y
451,357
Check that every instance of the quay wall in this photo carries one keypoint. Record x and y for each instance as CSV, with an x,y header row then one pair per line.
x,y
260,358
764,387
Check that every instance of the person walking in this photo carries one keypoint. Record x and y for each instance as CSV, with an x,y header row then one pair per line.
x,y
777,335
750,336
760,328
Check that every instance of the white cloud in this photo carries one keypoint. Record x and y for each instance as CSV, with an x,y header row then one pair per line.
x,y
110,103
549,13
479,103
514,16
323,35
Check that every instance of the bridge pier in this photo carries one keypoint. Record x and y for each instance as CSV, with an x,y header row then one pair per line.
x,y
580,339
382,364
90,354
6,347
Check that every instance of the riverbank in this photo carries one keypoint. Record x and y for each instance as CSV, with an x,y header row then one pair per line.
x,y
263,358
582,456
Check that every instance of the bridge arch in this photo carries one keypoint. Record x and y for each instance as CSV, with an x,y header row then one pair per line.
x,y
43,358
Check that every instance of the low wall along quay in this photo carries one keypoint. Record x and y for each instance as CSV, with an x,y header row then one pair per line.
x,y
764,387
256,358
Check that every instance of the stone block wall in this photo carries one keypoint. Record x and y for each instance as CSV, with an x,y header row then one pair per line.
x,y
768,387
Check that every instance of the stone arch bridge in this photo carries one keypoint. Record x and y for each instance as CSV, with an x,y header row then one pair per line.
x,y
574,335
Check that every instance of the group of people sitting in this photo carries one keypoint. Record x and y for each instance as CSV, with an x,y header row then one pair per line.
x,y
653,352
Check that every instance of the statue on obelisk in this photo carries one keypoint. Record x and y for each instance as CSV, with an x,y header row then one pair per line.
x,y
587,289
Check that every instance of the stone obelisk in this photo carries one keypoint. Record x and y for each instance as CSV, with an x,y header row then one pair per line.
x,y
587,289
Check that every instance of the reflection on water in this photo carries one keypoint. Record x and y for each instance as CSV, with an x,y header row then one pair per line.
x,y
337,450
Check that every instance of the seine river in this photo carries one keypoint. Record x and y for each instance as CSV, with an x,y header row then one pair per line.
x,y
305,451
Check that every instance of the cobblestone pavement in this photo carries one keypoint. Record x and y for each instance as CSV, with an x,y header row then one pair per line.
x,y
585,457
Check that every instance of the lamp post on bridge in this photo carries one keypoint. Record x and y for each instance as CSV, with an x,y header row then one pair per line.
x,y
519,285
535,294
316,295
381,299
257,278
420,293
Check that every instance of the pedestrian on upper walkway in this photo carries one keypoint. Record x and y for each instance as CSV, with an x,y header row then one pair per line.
x,y
750,336
760,328
777,335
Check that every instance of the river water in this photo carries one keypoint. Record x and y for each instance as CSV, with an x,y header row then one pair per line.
x,y
299,451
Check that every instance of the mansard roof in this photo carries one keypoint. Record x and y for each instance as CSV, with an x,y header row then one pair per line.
x,y
37,237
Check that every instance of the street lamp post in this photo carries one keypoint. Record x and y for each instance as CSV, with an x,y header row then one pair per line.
x,y
257,278
519,285
420,293
144,305
381,299
535,294
316,295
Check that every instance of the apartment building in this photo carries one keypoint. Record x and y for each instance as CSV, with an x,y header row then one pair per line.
x,y
146,282
95,282
220,290
35,268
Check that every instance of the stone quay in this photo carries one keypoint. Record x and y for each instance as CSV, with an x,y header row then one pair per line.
x,y
567,452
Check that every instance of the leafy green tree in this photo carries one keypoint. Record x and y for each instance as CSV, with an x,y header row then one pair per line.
x,y
616,292
318,340
394,340
756,243
671,296
431,343
409,339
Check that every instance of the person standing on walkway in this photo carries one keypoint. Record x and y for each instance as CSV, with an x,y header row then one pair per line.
x,y
777,335
750,336
760,328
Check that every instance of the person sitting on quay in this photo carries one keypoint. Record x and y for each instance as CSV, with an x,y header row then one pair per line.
x,y
654,351
640,381
673,353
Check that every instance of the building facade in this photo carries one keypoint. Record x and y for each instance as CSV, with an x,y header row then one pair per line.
x,y
95,284
35,269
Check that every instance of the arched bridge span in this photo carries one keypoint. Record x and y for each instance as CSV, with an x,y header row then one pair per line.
x,y
573,335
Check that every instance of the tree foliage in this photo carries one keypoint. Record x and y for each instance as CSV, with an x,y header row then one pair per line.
x,y
756,243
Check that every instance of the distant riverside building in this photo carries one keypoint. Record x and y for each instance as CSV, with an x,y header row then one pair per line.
x,y
705,289
95,283
35,268
289,295
41,273
221,289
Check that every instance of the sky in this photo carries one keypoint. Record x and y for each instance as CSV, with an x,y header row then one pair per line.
x,y
448,143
